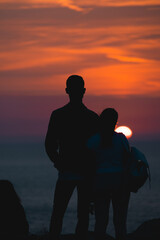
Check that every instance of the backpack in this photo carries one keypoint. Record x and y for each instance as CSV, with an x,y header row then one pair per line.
x,y
138,170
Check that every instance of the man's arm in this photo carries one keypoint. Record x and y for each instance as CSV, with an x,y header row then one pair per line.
x,y
51,141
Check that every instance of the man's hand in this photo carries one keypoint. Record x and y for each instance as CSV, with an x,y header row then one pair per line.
x,y
57,165
56,161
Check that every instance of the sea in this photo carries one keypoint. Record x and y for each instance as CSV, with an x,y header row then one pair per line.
x,y
27,166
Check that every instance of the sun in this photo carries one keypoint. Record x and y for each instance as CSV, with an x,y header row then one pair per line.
x,y
125,130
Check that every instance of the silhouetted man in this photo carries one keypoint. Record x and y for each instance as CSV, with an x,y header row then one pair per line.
x,y
68,130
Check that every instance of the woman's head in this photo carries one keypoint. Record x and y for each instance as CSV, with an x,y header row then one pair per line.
x,y
108,118
107,123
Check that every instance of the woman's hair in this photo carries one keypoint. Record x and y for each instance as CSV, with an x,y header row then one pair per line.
x,y
108,120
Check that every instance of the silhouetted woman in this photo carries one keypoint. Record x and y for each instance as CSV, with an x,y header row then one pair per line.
x,y
111,150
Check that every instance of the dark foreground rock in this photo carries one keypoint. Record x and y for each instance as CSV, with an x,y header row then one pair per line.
x,y
66,237
149,230
13,222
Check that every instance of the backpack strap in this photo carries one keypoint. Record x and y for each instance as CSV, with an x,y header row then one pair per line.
x,y
149,177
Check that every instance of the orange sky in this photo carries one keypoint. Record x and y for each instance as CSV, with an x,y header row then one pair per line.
x,y
114,45
116,49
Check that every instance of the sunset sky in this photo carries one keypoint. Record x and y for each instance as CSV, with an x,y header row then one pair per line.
x,y
114,45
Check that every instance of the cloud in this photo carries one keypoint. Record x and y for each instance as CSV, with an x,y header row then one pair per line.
x,y
80,5
70,4
50,77
114,45
41,46
40,4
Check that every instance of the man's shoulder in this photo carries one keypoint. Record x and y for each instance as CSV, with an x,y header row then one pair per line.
x,y
92,113
120,135
60,110
67,110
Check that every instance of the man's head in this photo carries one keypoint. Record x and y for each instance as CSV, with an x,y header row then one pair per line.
x,y
75,88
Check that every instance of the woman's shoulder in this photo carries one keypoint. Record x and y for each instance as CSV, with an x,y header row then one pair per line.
x,y
122,138
119,135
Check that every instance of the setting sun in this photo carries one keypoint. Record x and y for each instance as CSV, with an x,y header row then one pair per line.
x,y
125,130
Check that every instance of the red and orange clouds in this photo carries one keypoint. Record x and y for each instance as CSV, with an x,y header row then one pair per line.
x,y
115,46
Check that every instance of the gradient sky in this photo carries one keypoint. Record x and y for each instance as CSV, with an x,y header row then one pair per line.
x,y
114,45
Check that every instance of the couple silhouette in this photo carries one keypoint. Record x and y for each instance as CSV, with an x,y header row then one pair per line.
x,y
89,155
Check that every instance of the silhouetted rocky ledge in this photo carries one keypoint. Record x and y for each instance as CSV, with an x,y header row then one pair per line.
x,y
149,230
66,237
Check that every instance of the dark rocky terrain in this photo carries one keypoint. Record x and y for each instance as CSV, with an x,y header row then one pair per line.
x,y
149,230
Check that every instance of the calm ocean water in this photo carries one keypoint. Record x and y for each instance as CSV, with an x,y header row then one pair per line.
x,y
27,166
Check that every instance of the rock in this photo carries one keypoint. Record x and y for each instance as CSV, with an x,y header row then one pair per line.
x,y
13,222
66,237
149,230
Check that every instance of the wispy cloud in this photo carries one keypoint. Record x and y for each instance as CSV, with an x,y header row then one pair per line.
x,y
119,46
114,45
77,5
41,4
